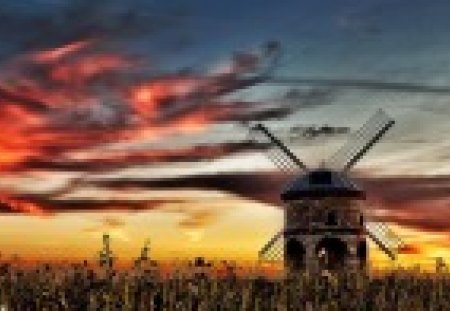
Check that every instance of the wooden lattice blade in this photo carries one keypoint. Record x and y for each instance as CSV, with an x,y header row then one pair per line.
x,y
287,160
361,142
384,238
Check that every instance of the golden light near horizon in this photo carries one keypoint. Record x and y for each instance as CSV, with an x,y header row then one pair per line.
x,y
425,247
232,228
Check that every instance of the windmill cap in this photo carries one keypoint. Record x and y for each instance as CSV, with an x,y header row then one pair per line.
x,y
321,183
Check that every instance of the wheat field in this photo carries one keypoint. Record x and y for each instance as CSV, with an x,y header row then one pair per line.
x,y
80,287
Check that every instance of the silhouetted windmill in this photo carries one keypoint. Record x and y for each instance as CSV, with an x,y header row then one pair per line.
x,y
144,256
325,225
105,255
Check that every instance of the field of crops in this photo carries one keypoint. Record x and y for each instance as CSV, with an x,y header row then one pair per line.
x,y
79,287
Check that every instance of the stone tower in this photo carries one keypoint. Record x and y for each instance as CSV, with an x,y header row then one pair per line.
x,y
324,223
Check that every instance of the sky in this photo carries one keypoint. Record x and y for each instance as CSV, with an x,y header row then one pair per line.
x,y
129,117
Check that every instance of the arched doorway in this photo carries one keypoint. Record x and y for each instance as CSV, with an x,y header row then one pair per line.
x,y
295,254
332,253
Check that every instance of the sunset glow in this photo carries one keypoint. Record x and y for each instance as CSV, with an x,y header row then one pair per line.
x,y
133,120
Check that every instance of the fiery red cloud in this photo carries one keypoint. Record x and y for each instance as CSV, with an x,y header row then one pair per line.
x,y
74,114
59,102
19,206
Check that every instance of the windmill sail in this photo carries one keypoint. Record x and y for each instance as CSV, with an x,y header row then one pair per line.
x,y
274,248
384,238
278,153
362,140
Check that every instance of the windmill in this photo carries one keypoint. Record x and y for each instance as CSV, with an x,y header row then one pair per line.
x,y
325,224
144,255
105,255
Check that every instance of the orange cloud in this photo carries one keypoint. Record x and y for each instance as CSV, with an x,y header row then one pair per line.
x,y
197,219
410,249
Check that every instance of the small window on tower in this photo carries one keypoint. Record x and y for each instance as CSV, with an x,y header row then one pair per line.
x,y
331,218
320,178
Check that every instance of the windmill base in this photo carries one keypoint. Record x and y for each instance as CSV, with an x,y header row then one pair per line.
x,y
332,252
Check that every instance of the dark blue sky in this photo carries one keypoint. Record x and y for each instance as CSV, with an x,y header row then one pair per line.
x,y
195,33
